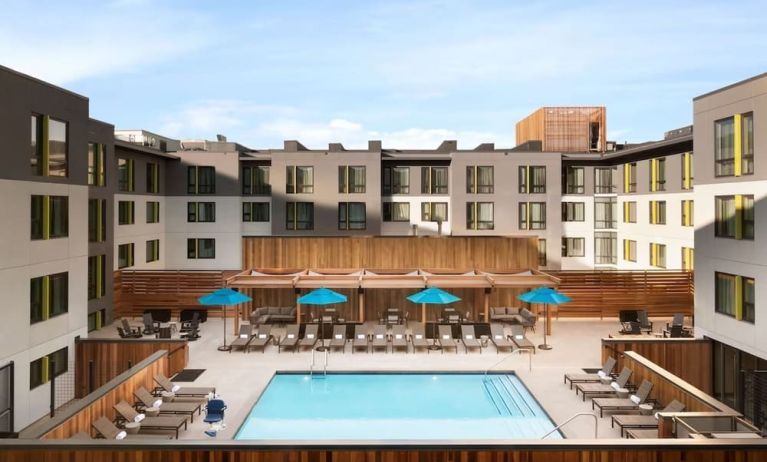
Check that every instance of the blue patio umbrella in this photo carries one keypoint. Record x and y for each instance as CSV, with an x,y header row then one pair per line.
x,y
224,297
545,296
322,296
432,296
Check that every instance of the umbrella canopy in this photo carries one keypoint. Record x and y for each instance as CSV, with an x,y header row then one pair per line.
x,y
224,297
433,295
544,296
322,296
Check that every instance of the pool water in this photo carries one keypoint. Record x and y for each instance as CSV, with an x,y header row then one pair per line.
x,y
391,406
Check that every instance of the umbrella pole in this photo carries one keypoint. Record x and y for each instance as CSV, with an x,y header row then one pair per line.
x,y
224,347
322,346
546,321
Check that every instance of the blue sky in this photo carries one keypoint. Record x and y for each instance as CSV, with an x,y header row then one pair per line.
x,y
408,72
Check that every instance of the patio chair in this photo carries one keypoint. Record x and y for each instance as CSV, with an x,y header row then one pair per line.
x,y
214,411
446,340
499,339
624,404
106,429
469,339
243,338
191,324
604,389
418,338
642,433
166,385
630,328
261,339
626,421
310,336
145,400
361,339
519,338
399,338
150,326
645,325
126,413
290,340
130,332
607,369
380,338
339,337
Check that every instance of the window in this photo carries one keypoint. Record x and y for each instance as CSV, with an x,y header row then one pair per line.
x,y
532,215
255,181
152,177
49,217
96,279
687,171
605,248
124,255
351,216
603,181
687,213
434,211
125,213
300,180
152,212
574,183
42,370
255,212
605,212
573,211
351,179
657,255
396,211
96,164
152,250
49,146
629,250
747,144
657,175
201,180
630,212
36,145
299,216
735,296
200,212
657,212
200,248
479,179
97,220
125,175
96,320
573,246
479,215
532,179
434,180
688,259
734,217
724,147
630,177
749,300
396,180
542,260
48,297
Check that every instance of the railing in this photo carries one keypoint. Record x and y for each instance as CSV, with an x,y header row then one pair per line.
x,y
518,350
324,365
592,414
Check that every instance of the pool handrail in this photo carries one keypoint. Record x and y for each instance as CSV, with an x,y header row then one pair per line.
x,y
573,417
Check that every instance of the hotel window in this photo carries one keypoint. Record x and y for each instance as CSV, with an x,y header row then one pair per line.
x,y
96,164
630,212
152,177
255,181
49,146
199,249
688,173
255,212
152,212
629,250
573,211
97,220
200,180
96,276
300,180
351,216
434,180
735,296
96,320
200,212
734,217
152,250
532,215
532,179
125,213
747,144
479,215
299,216
42,370
351,179
574,182
124,255
480,179
573,246
688,259
657,255
603,181
630,177
724,147
605,212
605,248
396,211
688,211
48,297
434,211
657,175
657,212
49,217
125,175
396,180
542,259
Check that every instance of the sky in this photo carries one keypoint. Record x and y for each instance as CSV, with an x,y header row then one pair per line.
x,y
410,73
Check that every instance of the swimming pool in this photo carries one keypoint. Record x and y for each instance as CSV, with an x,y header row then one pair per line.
x,y
395,406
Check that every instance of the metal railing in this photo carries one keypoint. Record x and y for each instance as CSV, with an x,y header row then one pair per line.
x,y
592,414
324,364
519,351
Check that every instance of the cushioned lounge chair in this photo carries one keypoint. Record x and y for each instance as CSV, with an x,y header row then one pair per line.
x,y
446,340
290,340
310,336
607,369
399,338
130,332
171,422
519,338
243,338
108,430
144,399
469,339
339,337
624,404
604,389
419,337
642,433
499,338
361,339
261,339
380,338
166,385
626,421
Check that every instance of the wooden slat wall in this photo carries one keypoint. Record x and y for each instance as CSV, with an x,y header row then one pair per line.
x,y
113,357
688,359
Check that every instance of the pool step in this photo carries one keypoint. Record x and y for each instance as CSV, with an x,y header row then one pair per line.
x,y
507,398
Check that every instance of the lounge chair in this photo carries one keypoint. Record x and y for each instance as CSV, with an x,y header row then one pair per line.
x,y
419,337
604,389
108,430
243,338
166,385
361,338
150,325
310,336
173,423
130,332
398,338
499,339
446,338
642,433
380,338
188,325
262,338
290,340
626,421
519,338
645,325
145,400
607,369
469,339
623,404
339,337
630,328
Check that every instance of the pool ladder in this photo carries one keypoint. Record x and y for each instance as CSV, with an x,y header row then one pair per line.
x,y
324,365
